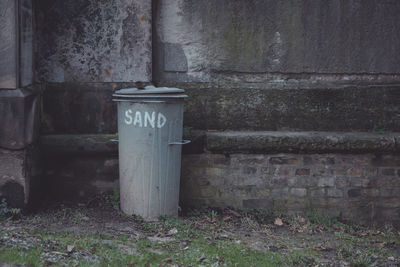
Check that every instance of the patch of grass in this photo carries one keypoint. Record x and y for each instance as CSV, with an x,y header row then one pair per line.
x,y
203,252
361,260
246,238
316,218
16,256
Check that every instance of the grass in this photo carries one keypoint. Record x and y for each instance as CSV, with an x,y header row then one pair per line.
x,y
199,251
205,237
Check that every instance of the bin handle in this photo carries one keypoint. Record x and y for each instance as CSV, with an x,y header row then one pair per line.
x,y
183,142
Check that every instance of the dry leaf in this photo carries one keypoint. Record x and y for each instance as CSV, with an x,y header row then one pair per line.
x,y
234,213
226,218
173,231
70,248
278,221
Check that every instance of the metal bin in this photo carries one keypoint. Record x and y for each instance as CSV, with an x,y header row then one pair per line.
x,y
150,123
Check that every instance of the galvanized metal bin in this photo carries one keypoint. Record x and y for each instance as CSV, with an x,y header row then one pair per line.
x,y
150,125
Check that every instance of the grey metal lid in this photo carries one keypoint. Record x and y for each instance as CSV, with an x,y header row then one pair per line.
x,y
150,92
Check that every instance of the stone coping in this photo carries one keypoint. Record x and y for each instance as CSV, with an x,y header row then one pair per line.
x,y
230,142
302,142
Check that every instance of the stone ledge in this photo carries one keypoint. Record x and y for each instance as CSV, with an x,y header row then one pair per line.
x,y
79,143
230,142
302,142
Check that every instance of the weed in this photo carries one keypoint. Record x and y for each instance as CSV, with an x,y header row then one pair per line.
x,y
361,260
316,218
115,199
214,214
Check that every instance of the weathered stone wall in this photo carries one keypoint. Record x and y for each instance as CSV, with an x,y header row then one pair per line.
x,y
8,44
19,104
358,187
20,173
255,66
94,41
276,40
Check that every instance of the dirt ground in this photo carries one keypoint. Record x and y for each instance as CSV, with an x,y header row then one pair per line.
x,y
96,233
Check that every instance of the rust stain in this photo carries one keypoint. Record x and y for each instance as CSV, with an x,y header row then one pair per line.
x,y
143,18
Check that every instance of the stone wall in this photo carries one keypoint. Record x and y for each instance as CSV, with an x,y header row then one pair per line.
x,y
257,40
93,41
358,187
294,67
19,105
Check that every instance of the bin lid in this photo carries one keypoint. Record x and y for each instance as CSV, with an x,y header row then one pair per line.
x,y
150,92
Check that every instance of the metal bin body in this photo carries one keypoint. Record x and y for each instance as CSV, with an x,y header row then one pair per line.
x,y
150,123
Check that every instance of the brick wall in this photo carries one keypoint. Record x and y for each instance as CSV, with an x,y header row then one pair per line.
x,y
362,187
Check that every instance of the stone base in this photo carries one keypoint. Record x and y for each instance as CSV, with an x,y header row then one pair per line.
x,y
19,176
79,178
355,176
358,187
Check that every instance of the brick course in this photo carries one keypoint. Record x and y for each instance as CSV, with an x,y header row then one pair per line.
x,y
360,187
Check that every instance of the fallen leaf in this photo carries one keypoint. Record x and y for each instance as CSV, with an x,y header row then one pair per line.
x,y
226,218
278,221
302,220
70,248
234,213
173,231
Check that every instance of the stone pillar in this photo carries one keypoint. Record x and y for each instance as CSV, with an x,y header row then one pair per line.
x,y
19,103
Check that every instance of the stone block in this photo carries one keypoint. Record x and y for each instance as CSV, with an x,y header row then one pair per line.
x,y
342,182
262,203
388,172
302,171
215,172
370,172
321,171
222,160
254,160
298,192
317,192
319,160
359,182
390,192
279,181
393,202
19,174
334,192
326,181
370,192
268,170
354,192
279,192
355,172
19,118
386,160
249,170
284,160
340,171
